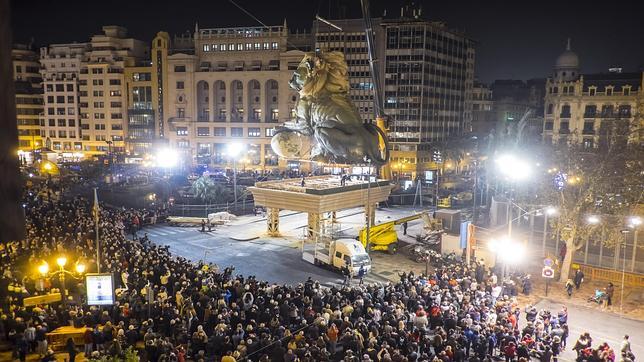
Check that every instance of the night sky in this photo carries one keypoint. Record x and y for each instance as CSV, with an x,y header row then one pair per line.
x,y
516,39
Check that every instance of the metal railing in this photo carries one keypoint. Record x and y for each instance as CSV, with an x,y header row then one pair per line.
x,y
242,207
614,276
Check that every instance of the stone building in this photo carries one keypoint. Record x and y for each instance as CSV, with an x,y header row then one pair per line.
x,y
483,120
29,100
232,87
102,97
591,109
60,69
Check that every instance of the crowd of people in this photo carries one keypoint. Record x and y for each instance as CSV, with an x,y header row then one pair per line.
x,y
171,309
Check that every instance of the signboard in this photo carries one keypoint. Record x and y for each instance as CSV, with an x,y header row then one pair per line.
x,y
547,272
42,299
100,289
548,262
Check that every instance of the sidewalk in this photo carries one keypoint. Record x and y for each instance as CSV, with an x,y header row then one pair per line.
x,y
633,305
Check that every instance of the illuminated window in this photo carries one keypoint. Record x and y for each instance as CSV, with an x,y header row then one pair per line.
x,y
206,47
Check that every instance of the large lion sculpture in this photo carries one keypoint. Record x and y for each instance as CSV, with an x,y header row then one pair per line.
x,y
327,118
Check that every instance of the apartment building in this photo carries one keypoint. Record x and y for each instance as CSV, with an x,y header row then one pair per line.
x,y
29,100
428,80
60,69
483,118
145,86
232,87
103,107
591,109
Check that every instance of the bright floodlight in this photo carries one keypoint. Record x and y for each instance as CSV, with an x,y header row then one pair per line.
x,y
80,268
43,268
235,148
508,251
551,211
592,219
512,167
636,221
61,261
167,158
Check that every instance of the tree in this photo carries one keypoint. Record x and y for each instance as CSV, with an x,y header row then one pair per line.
x,y
605,181
207,190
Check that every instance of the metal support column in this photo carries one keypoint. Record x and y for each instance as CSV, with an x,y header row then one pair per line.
x,y
273,221
313,228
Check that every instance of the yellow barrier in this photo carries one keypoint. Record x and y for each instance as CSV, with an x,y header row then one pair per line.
x,y
610,275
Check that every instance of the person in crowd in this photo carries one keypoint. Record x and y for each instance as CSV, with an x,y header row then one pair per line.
x,y
578,278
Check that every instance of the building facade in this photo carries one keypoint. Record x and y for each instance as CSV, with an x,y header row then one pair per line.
x,y
483,120
590,109
232,88
144,87
428,80
29,100
101,85
60,69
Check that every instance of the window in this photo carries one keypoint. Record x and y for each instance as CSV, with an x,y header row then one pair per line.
x,y
60,111
215,47
71,111
203,131
275,113
180,85
627,91
97,93
219,132
275,46
565,111
181,112
254,132
548,126
116,115
99,127
237,132
72,134
50,88
70,99
100,137
52,123
116,104
550,108
60,88
62,123
267,46
99,115
206,48
592,91
97,71
71,122
50,99
249,46
182,131
52,133
258,46
270,132
240,46
588,143
115,82
590,111
62,134
85,126
60,99
51,111
70,87
117,127
99,104
97,82
115,93
609,91
179,68
223,47
624,111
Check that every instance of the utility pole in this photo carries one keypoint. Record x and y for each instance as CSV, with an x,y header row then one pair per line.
x,y
368,207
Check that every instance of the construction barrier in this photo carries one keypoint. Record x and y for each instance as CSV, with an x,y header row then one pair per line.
x,y
611,275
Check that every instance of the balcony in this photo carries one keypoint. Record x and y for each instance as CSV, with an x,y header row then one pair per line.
x,y
564,131
179,119
564,115
203,118
590,115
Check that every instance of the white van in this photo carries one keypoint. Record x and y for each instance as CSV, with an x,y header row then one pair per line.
x,y
340,252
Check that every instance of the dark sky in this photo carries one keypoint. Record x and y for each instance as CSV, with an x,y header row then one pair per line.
x,y
516,39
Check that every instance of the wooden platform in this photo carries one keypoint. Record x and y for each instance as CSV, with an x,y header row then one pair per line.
x,y
319,194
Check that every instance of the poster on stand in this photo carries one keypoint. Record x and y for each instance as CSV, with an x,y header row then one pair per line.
x,y
100,289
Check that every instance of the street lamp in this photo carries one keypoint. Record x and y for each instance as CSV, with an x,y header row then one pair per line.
x,y
234,149
621,296
548,212
167,158
512,167
634,224
62,261
510,252
593,219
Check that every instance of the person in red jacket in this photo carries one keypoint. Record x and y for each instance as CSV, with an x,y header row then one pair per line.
x,y
510,352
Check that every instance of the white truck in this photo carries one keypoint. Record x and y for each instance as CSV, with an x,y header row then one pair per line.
x,y
337,254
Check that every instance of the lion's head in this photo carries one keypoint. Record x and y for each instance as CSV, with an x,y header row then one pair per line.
x,y
322,71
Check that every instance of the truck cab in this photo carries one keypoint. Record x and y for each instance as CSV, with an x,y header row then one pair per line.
x,y
352,253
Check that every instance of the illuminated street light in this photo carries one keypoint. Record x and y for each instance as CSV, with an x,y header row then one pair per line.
x,y
635,221
508,251
43,268
593,219
167,158
512,167
234,149
551,211
80,267
61,261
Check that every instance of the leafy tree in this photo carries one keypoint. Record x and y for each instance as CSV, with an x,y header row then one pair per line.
x,y
604,181
207,190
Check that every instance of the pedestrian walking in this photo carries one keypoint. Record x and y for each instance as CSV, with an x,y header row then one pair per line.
x,y
610,290
579,278
405,228
203,225
361,273
347,274
569,287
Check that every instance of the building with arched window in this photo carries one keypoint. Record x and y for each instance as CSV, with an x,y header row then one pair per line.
x,y
232,87
590,109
